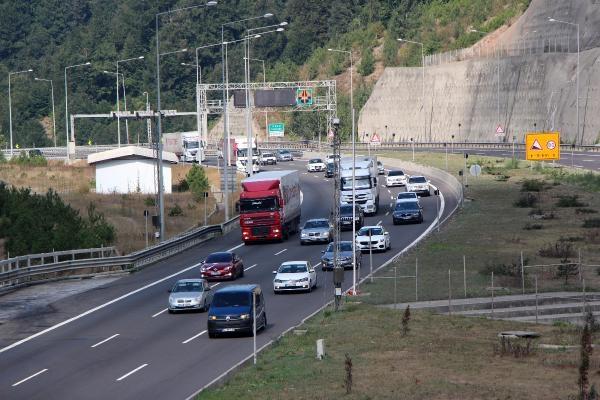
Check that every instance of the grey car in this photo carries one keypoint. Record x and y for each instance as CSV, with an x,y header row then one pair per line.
x,y
190,294
316,230
344,256
284,155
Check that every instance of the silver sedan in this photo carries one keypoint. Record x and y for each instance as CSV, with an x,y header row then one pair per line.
x,y
316,230
190,294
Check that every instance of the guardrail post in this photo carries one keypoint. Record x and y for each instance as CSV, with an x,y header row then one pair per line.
x,y
73,255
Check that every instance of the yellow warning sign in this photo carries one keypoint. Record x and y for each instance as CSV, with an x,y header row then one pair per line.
x,y
542,146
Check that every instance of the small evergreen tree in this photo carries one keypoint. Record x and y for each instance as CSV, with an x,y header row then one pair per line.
x,y
405,321
367,64
197,181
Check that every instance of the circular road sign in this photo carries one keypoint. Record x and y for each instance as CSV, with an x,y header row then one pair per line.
x,y
475,170
551,144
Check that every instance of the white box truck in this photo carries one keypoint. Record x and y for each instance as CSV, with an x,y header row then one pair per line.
x,y
185,145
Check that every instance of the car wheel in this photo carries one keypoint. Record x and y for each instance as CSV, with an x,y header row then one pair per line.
x,y
302,243
212,335
171,311
242,272
264,321
310,287
395,222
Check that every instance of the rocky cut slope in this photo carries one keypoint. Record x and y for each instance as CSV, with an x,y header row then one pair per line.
x,y
522,78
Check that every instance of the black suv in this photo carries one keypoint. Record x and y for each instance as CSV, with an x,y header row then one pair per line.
x,y
329,170
346,217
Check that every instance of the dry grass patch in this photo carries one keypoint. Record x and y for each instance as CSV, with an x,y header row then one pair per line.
x,y
440,358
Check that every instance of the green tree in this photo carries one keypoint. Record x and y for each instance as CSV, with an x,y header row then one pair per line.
x,y
197,181
390,51
367,63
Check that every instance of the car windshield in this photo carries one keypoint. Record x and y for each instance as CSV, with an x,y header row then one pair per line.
x,y
407,195
266,204
330,166
191,145
360,183
374,231
344,246
187,287
231,299
219,257
407,206
284,152
346,210
315,160
417,179
395,173
267,155
316,224
292,268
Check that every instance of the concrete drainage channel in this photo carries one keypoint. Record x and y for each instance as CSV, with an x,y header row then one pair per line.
x,y
545,308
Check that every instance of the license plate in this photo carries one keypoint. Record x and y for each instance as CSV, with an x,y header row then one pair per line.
x,y
215,273
228,329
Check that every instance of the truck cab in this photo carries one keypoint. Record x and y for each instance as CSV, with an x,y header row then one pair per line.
x,y
366,188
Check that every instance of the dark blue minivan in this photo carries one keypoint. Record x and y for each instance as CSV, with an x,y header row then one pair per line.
x,y
231,310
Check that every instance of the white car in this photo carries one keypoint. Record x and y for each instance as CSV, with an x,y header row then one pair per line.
x,y
241,166
407,196
419,185
380,168
375,238
268,158
395,178
295,275
330,158
315,165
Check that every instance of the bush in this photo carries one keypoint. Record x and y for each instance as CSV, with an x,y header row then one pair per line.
x,y
526,200
513,163
149,201
533,185
35,160
569,201
513,269
175,211
198,182
560,249
367,64
533,227
592,223
182,186
585,211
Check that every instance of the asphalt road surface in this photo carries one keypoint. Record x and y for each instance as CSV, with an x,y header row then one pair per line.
x,y
126,346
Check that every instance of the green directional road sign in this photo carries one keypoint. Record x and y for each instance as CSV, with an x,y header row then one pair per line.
x,y
276,129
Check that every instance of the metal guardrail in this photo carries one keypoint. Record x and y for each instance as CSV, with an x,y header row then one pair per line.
x,y
32,269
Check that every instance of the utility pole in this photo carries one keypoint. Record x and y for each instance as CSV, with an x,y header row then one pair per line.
x,y
338,271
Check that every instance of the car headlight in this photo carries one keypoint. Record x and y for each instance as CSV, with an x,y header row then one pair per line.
x,y
277,281
303,280
212,317
325,260
171,300
343,259
382,240
326,234
245,316
304,235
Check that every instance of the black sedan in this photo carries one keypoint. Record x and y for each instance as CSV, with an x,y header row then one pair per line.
x,y
407,211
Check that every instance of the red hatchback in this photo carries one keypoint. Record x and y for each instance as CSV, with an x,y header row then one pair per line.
x,y
222,265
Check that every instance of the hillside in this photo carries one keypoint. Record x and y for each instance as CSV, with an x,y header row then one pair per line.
x,y
51,35
522,76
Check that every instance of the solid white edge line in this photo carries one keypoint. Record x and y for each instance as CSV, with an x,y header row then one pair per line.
x,y
250,267
236,247
92,310
160,312
279,252
30,377
132,372
105,340
193,337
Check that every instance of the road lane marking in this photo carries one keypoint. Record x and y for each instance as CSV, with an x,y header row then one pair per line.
x,y
132,372
216,284
106,340
392,198
193,337
588,160
379,223
278,253
387,213
160,312
29,377
100,307
579,166
236,247
250,267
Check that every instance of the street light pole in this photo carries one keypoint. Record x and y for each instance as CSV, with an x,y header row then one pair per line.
x,y
264,84
10,106
577,74
161,204
67,105
53,114
353,169
118,106
423,85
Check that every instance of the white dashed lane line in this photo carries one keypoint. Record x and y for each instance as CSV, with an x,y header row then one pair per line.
x,y
132,372
105,340
30,377
278,253
193,337
250,267
160,312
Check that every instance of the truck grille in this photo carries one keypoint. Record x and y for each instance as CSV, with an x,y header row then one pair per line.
x,y
260,230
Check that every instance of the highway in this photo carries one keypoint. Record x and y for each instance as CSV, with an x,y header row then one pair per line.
x,y
129,347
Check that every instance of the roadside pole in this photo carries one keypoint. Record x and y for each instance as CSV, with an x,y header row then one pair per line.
x,y
254,326
371,256
205,199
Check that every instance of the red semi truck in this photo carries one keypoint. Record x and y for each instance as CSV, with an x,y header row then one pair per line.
x,y
270,206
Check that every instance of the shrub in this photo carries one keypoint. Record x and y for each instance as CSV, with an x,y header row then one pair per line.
x,y
569,201
585,211
513,269
511,164
149,201
182,186
533,185
560,249
526,200
533,227
367,63
592,223
175,211
198,182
